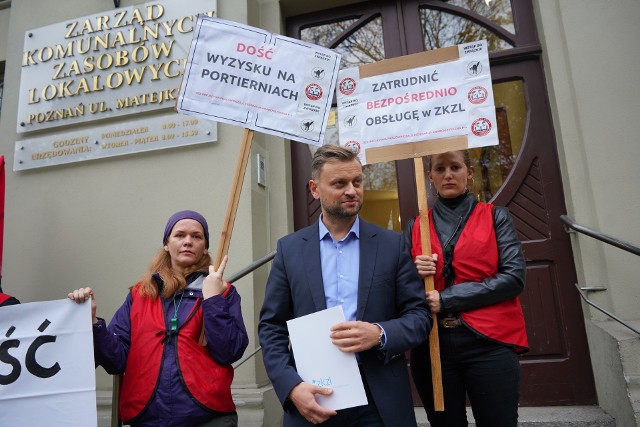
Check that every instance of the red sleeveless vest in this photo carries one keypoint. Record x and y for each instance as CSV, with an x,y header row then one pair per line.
x,y
4,297
206,381
475,258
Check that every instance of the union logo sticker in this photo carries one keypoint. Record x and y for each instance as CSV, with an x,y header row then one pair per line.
x,y
481,126
477,95
313,92
353,146
347,86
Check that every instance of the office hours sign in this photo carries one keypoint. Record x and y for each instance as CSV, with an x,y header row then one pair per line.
x,y
252,78
47,371
418,102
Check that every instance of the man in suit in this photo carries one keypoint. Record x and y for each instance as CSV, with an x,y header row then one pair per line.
x,y
343,260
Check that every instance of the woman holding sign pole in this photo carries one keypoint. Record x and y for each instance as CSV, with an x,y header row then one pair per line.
x,y
479,271
170,379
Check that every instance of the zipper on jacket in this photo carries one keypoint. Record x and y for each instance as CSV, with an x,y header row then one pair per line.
x,y
455,231
449,265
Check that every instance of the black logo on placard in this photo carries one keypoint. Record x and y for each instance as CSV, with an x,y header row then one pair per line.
x,y
318,73
351,121
474,68
307,125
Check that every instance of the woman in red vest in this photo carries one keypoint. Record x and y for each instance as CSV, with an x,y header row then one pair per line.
x,y
171,376
479,271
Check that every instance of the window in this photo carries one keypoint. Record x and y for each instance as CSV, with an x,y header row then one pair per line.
x,y
362,46
492,164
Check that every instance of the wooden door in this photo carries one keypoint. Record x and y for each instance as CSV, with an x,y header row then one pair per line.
x,y
522,173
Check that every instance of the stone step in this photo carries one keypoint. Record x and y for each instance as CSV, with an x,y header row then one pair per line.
x,y
548,416
250,413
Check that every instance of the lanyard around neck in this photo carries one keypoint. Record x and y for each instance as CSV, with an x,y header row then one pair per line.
x,y
176,307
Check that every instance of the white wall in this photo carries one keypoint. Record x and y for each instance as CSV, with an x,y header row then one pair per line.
x,y
98,223
4,28
592,54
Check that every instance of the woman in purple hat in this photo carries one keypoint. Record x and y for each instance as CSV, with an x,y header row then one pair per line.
x,y
175,336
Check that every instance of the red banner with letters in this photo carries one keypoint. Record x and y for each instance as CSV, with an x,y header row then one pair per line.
x,y
1,214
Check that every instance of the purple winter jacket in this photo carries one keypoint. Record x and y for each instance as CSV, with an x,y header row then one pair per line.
x,y
226,335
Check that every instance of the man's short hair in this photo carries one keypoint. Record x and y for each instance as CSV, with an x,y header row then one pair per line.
x,y
330,153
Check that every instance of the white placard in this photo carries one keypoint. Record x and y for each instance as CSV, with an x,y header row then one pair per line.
x,y
430,102
321,363
115,63
126,137
252,78
47,371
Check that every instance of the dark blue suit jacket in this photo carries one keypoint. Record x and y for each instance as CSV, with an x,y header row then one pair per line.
x,y
390,293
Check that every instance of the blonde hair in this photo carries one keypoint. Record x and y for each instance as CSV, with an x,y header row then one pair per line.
x,y
173,282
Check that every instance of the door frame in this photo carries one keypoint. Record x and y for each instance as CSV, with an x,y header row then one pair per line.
x,y
560,374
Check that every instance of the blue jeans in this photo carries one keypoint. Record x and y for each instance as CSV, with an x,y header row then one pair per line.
x,y
474,367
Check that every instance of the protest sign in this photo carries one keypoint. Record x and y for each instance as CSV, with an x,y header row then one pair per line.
x,y
416,101
47,371
249,77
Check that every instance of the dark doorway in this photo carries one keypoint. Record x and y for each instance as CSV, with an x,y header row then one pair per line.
x,y
521,173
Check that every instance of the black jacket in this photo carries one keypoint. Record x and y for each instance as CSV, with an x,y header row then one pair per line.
x,y
507,283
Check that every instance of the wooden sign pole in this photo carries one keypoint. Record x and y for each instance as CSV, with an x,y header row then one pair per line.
x,y
232,205
434,341
234,197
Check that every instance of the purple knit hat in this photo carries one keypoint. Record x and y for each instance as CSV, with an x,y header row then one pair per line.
x,y
186,215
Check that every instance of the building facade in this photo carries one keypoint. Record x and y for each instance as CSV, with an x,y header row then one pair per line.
x,y
567,109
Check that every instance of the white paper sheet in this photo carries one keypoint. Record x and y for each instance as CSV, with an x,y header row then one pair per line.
x,y
321,363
